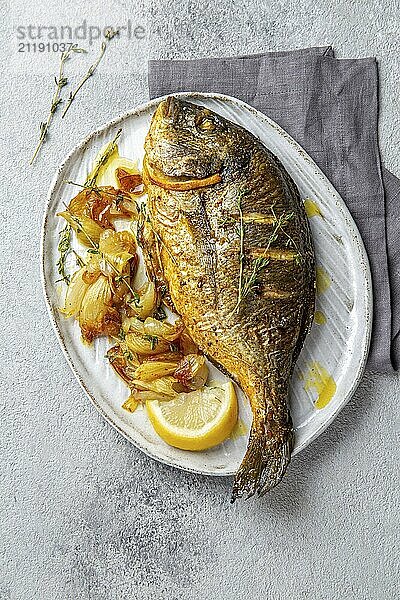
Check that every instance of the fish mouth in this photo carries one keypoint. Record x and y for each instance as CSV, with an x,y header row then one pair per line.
x,y
166,107
179,183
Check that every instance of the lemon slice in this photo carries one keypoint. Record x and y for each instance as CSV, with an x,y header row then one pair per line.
x,y
196,420
181,184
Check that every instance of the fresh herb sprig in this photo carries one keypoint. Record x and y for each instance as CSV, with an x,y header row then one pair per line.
x,y
143,220
109,35
111,147
251,282
152,339
64,249
119,197
56,100
281,222
261,263
241,255
241,194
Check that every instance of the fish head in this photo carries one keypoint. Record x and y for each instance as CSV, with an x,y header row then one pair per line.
x,y
190,142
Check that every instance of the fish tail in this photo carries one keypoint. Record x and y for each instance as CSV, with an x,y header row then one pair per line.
x,y
267,457
276,463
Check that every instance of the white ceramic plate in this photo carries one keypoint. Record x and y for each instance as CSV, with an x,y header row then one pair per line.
x,y
339,346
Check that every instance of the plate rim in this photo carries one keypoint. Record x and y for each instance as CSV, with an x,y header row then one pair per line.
x,y
349,222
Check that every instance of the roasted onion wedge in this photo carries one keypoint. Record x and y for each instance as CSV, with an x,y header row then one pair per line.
x,y
76,291
97,316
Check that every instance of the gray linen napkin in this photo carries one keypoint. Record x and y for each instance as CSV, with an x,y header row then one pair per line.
x,y
330,107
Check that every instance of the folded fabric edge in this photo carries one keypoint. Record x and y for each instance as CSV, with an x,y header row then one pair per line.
x,y
312,51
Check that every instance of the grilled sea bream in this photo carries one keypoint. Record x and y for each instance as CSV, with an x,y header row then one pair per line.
x,y
232,248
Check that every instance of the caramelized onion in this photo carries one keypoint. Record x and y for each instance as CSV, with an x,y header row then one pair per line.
x,y
132,325
92,271
146,305
186,344
87,231
123,362
164,330
148,371
129,182
117,247
76,291
131,404
163,388
145,345
192,371
102,204
97,316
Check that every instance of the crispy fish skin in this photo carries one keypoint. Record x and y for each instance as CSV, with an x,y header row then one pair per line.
x,y
227,217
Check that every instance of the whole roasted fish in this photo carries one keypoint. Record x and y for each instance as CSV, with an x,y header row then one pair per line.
x,y
233,250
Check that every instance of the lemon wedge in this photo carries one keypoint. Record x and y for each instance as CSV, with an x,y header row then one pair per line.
x,y
196,420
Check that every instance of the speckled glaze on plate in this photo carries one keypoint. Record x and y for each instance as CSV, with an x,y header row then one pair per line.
x,y
337,348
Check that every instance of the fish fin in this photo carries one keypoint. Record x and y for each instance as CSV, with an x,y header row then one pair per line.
x,y
265,462
248,475
275,466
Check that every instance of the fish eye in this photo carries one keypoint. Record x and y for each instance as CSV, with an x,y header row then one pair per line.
x,y
205,123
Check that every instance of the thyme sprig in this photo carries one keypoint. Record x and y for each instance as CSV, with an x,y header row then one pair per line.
x,y
64,248
261,263
109,35
250,282
56,100
79,260
241,194
152,339
281,222
93,188
91,181
144,219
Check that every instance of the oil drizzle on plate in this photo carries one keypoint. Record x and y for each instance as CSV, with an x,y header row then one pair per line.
x,y
239,430
319,317
311,208
323,281
318,378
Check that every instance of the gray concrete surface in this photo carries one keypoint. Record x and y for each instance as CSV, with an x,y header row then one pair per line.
x,y
84,515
